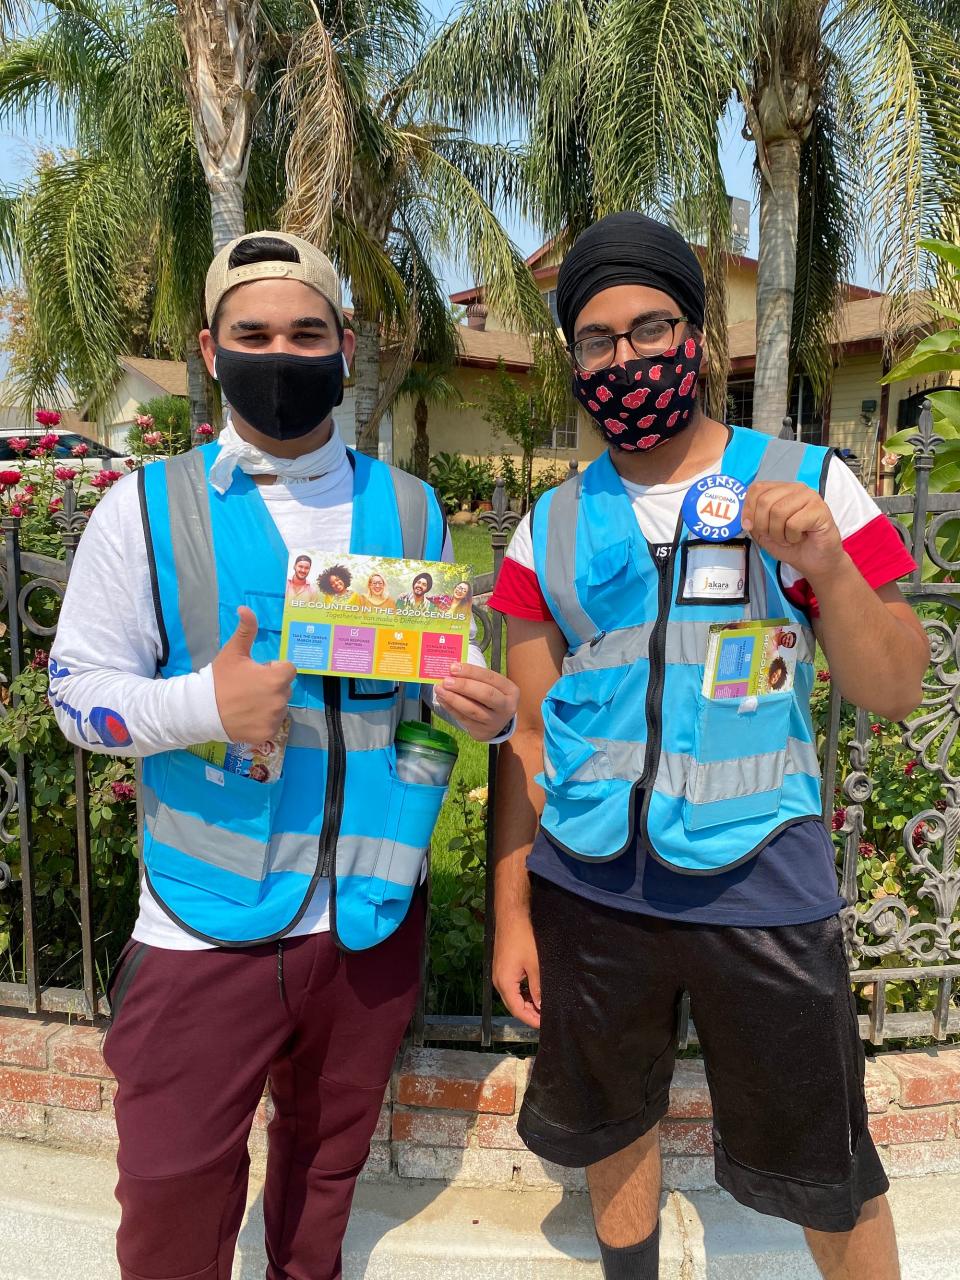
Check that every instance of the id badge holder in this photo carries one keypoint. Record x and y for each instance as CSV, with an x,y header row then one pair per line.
x,y
714,573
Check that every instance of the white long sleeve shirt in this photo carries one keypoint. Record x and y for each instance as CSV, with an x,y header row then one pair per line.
x,y
106,653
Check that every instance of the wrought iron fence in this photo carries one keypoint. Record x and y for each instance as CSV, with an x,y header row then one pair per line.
x,y
876,929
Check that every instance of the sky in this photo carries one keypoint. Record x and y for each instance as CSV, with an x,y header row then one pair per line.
x,y
18,146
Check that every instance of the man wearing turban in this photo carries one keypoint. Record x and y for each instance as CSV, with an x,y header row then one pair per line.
x,y
654,839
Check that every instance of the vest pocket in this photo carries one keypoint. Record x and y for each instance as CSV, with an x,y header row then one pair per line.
x,y
412,812
212,829
572,727
740,756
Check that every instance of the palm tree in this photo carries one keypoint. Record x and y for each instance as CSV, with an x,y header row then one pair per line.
x,y
426,385
222,44
393,189
132,190
853,108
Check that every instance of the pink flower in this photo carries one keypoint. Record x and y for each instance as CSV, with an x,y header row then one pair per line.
x,y
80,450
153,438
8,479
55,505
39,659
919,832
866,849
46,444
16,509
131,464
123,791
47,417
838,819
909,767
18,443
144,421
66,473
23,496
31,489
204,431
823,676
876,729
104,479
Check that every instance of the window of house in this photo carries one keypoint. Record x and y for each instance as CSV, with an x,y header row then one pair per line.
x,y
566,434
740,402
804,407
550,298
910,408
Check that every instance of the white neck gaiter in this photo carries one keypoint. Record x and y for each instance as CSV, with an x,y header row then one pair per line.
x,y
237,452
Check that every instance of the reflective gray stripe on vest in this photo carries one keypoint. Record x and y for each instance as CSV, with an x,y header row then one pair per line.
x,y
562,557
286,851
686,645
362,731
192,540
781,460
717,780
412,509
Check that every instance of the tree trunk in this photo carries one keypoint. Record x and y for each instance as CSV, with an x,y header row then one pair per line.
x,y
198,389
223,60
776,281
226,211
421,440
366,380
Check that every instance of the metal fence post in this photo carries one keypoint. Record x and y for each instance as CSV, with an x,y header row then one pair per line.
x,y
501,522
11,533
71,523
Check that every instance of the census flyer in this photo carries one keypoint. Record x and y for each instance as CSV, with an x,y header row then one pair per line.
x,y
375,617
751,659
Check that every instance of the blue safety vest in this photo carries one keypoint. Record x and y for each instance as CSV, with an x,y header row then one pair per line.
x,y
627,718
235,861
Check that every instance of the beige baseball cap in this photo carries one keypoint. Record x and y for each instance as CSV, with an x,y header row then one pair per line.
x,y
314,268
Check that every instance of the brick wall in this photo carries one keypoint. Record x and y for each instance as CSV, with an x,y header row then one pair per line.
x,y
451,1114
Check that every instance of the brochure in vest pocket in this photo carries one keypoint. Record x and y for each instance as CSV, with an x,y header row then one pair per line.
x,y
375,617
258,761
751,659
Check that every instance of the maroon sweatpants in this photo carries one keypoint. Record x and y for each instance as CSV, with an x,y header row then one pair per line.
x,y
195,1036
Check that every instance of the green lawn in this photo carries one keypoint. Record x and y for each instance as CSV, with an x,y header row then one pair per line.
x,y
471,545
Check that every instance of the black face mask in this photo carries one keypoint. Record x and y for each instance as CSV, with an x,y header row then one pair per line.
x,y
280,395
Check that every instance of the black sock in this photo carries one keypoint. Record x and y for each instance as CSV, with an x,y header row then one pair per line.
x,y
635,1261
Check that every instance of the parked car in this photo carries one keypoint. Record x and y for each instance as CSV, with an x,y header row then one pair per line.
x,y
98,456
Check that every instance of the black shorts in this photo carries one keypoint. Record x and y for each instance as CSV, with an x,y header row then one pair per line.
x,y
775,1018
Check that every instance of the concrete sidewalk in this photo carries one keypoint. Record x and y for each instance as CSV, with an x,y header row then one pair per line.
x,y
58,1216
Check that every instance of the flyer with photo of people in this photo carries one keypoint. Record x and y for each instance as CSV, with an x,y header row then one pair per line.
x,y
751,659
375,617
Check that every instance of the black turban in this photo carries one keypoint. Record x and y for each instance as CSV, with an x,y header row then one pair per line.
x,y
629,248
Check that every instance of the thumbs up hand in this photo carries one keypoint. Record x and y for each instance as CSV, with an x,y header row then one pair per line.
x,y
252,697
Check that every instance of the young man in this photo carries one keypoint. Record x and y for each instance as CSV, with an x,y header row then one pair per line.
x,y
281,922
679,844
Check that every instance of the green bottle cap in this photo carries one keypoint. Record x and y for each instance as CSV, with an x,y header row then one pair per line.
x,y
422,735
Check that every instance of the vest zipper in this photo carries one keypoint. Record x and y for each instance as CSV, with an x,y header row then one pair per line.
x,y
336,765
654,701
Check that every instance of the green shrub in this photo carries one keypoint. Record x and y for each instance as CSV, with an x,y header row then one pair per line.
x,y
168,415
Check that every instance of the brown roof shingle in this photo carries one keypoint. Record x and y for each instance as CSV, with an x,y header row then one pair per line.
x,y
169,376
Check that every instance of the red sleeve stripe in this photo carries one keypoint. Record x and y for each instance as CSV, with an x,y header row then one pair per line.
x,y
878,552
518,593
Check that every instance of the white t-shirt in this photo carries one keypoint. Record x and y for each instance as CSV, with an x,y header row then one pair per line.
x,y
107,648
868,537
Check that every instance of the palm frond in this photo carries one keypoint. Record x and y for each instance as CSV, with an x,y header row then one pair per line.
x,y
320,153
831,223
906,68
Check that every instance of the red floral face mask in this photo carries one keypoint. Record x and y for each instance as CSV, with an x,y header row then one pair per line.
x,y
643,403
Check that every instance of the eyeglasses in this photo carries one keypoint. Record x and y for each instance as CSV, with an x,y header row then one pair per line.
x,y
651,338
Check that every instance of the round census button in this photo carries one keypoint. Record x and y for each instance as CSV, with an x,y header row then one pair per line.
x,y
713,507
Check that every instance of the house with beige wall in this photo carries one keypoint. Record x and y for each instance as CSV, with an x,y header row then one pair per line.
x,y
858,413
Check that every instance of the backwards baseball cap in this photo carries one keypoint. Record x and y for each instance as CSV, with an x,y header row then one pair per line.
x,y
311,266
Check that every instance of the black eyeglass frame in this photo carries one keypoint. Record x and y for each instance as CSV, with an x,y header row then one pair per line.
x,y
673,321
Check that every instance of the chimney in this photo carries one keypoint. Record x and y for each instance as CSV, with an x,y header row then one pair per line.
x,y
476,316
